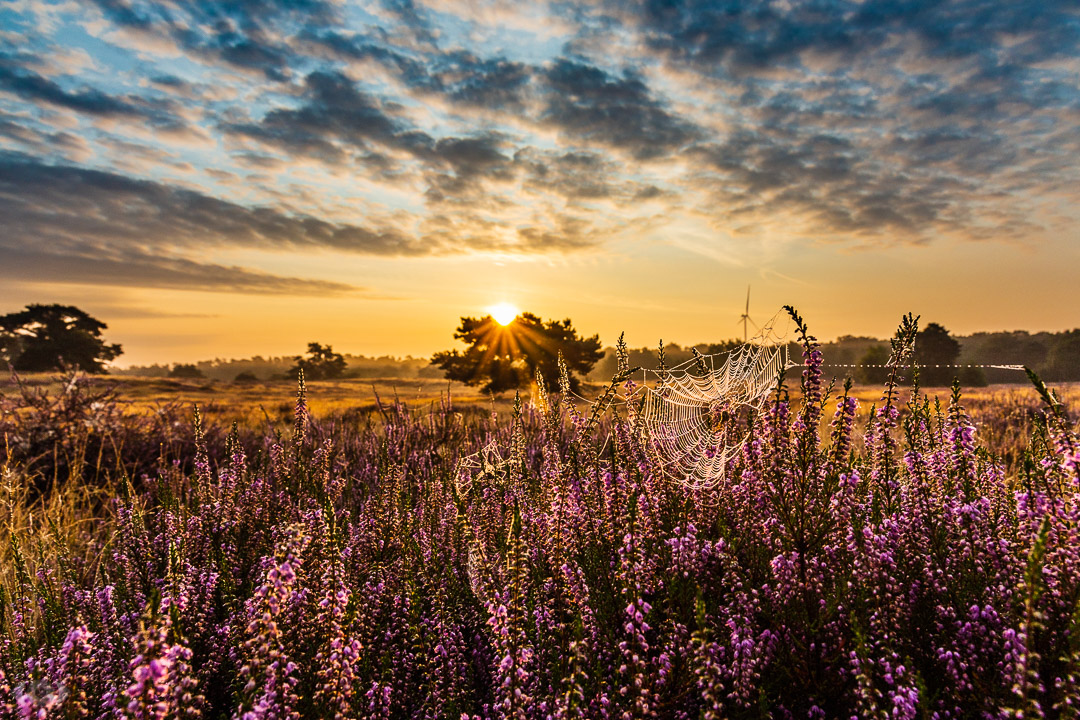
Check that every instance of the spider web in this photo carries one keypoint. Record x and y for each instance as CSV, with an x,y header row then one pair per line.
x,y
485,462
695,415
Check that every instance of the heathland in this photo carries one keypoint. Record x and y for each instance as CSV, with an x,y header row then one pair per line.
x,y
409,548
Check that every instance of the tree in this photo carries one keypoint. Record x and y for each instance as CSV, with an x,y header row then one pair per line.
x,y
1063,360
186,370
508,356
872,368
50,337
321,363
1006,348
724,346
935,347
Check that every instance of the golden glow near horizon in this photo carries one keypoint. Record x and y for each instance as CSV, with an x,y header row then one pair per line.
x,y
504,313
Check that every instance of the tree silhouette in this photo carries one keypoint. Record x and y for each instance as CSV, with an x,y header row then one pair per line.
x,y
321,363
872,368
1063,360
508,356
186,370
50,337
935,347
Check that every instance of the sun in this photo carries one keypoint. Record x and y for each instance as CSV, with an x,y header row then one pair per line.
x,y
504,313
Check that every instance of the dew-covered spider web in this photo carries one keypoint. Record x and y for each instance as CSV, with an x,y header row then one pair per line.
x,y
696,415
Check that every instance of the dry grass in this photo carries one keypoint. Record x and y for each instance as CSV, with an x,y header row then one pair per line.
x,y
252,404
71,521
1003,413
981,396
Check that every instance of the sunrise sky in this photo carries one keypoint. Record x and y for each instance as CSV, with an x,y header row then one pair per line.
x,y
223,179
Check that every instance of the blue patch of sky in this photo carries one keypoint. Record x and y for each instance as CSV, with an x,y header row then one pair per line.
x,y
520,46
357,17
72,34
511,43
12,21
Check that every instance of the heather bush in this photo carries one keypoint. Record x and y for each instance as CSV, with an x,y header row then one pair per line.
x,y
83,434
436,565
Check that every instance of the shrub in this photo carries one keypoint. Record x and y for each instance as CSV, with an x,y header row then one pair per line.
x,y
182,370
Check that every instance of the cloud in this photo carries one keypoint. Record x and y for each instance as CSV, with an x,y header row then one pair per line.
x,y
488,127
118,311
877,121
412,19
62,145
827,180
594,107
131,268
340,123
245,34
66,204
580,177
70,224
757,38
547,233
461,77
91,226
28,85
335,118
460,168
491,83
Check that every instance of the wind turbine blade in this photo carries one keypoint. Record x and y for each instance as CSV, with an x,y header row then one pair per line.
x,y
747,299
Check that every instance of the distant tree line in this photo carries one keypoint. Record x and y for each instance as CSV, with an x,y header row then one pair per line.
x,y
260,368
41,338
1055,356
648,358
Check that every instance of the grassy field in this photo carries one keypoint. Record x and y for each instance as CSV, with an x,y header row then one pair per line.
x,y
246,401
1003,412
431,547
253,404
392,548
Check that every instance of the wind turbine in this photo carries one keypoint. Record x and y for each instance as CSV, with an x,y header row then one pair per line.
x,y
745,318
